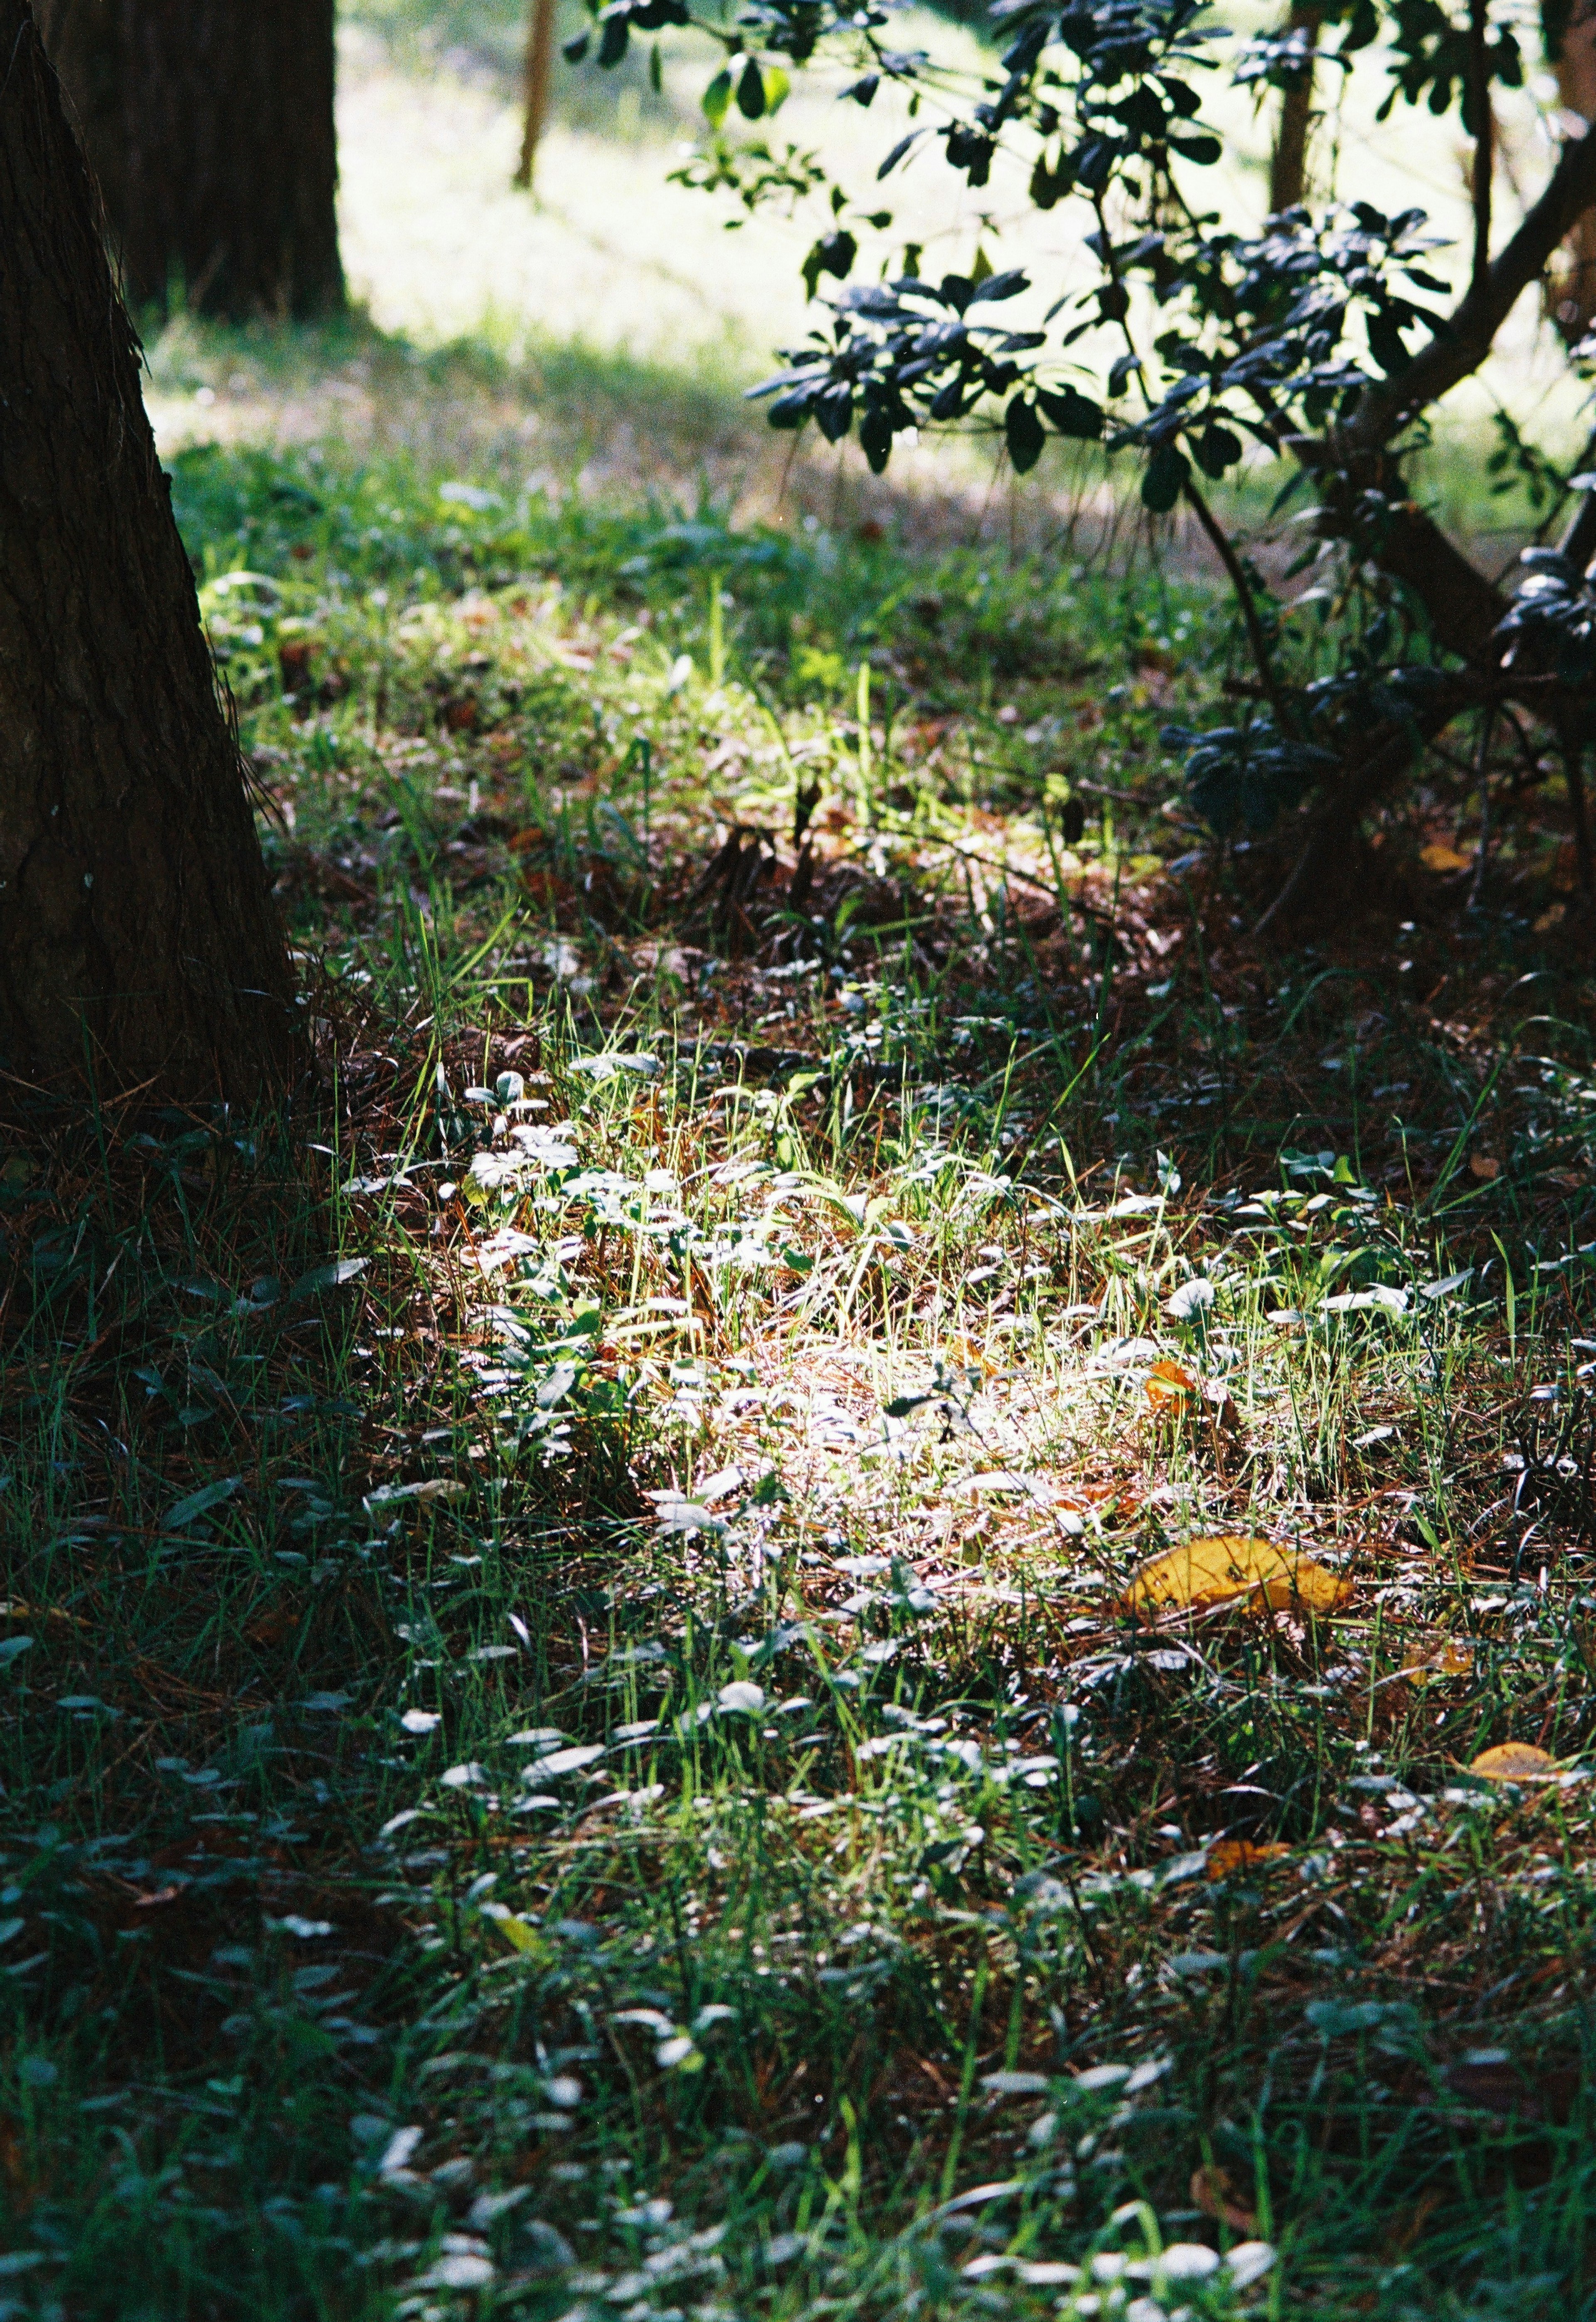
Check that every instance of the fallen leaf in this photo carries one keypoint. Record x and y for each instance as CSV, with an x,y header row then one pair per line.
x,y
271,1627
1440,856
1450,1656
1214,2192
1233,1854
1171,1386
1217,1571
522,1934
1484,1166
1515,1761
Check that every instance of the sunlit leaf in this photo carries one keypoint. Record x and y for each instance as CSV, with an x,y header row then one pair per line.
x,y
562,1761
1232,1567
717,98
1439,856
1451,1657
332,1276
1172,1387
1515,1761
1231,1855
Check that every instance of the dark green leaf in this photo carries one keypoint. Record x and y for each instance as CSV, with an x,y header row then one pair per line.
x,y
875,436
1167,471
1217,449
1072,412
1024,434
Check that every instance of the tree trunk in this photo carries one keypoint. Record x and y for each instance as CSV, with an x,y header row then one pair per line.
x,y
1288,165
540,78
209,125
1571,289
137,943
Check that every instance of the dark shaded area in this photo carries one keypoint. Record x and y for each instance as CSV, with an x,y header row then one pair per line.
x,y
210,128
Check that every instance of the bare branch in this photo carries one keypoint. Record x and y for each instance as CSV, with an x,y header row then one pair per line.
x,y
1465,339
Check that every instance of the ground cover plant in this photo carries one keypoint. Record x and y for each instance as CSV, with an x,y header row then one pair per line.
x,y
856,1578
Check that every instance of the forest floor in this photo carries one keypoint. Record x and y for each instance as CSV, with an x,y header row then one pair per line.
x,y
856,1578
609,1705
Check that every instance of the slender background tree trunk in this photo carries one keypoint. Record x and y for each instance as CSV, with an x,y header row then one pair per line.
x,y
138,940
1288,166
209,125
540,82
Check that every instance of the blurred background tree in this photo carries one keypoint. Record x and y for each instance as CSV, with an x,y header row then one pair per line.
x,y
209,126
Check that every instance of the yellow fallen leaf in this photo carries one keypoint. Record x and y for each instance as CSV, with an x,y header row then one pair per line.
x,y
1515,1761
1450,1658
521,1934
1233,1854
1439,856
1231,1566
1171,1386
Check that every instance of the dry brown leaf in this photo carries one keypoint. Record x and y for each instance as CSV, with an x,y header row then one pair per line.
x,y
1440,856
1231,1566
1215,2193
1171,1386
1484,1166
1230,1855
1515,1761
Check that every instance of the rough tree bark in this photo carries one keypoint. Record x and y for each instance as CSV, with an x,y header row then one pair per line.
x,y
209,125
138,942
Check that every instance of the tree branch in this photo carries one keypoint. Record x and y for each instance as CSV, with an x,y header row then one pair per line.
x,y
1463,343
1484,145
1388,758
1262,659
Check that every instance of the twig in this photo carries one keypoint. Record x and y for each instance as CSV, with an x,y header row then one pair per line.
x,y
1482,768
1242,587
1484,145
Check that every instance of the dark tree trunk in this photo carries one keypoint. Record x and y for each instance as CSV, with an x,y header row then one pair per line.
x,y
138,942
1571,291
209,124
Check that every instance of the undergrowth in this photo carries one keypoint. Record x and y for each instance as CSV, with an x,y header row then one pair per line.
x,y
579,1734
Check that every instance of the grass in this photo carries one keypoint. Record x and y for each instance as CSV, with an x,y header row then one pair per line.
x,y
580,1733
572,1740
